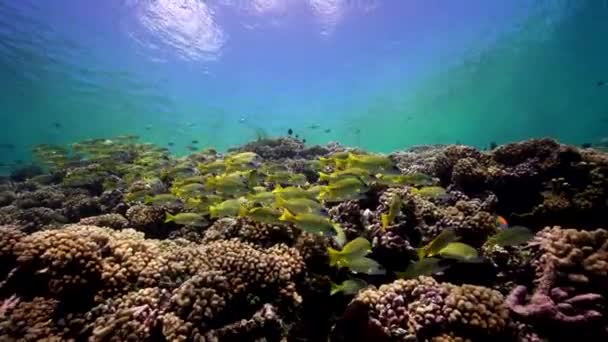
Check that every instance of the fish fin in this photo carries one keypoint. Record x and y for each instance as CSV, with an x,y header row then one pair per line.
x,y
323,176
169,218
335,288
340,237
385,221
277,188
286,216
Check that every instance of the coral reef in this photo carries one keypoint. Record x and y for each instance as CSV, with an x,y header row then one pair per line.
x,y
115,241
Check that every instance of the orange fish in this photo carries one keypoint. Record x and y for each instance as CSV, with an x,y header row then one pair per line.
x,y
502,222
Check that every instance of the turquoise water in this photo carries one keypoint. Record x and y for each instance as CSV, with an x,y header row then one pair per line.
x,y
383,75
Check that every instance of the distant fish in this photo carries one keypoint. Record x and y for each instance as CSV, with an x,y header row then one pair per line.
x,y
304,141
357,131
191,148
493,145
190,124
242,120
314,126
501,222
297,136
7,146
327,130
290,131
601,83
148,127
586,145
194,142
170,144
57,125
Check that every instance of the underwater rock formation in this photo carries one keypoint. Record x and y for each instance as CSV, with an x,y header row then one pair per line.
x,y
280,241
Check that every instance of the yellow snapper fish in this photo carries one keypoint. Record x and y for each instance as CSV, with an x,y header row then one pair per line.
x,y
299,205
229,184
187,219
430,192
353,256
512,236
216,167
161,199
394,207
341,174
348,287
310,222
314,191
261,214
351,188
190,180
190,190
201,204
241,161
263,197
459,251
331,159
242,158
370,162
424,267
437,244
226,208
292,192
285,177
395,179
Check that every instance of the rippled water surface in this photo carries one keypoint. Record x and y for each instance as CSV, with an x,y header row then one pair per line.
x,y
383,75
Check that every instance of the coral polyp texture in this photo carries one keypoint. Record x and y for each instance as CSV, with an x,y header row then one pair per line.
x,y
116,240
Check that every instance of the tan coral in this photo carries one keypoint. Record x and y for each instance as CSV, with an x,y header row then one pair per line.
x,y
580,254
417,306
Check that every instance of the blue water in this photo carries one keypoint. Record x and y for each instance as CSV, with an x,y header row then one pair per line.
x,y
382,75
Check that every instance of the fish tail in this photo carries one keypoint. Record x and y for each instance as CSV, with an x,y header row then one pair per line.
x,y
385,221
324,193
148,199
286,216
277,188
335,288
213,211
169,218
421,252
334,256
323,176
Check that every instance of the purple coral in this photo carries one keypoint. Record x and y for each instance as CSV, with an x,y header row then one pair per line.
x,y
554,304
